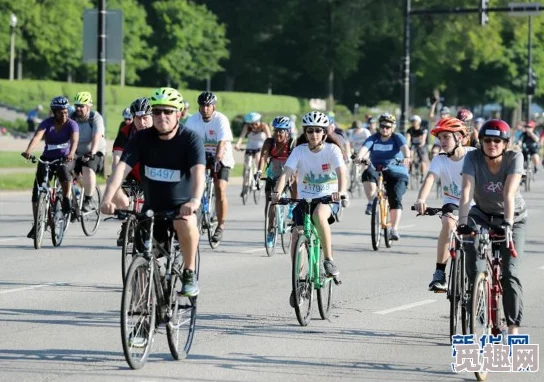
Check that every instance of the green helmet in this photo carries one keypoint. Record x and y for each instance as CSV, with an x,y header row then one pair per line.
x,y
83,98
167,97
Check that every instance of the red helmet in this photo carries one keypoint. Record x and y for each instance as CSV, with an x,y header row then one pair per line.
x,y
495,128
453,125
465,115
531,124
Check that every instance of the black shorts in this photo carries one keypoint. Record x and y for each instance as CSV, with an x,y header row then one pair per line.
x,y
298,213
62,172
223,173
96,164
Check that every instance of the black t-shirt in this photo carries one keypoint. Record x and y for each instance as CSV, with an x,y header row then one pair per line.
x,y
165,165
416,135
123,136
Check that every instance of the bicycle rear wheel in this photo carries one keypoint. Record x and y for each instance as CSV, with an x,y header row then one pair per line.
x,y
376,224
285,231
41,219
138,310
270,229
324,294
387,229
302,284
129,249
180,329
91,220
479,320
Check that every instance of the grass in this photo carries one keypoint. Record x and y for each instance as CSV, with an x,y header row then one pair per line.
x,y
11,159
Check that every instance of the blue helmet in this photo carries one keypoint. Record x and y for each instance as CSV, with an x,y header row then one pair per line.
x,y
59,103
283,123
252,117
127,114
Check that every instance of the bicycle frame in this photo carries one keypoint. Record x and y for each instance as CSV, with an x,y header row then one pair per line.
x,y
314,249
382,198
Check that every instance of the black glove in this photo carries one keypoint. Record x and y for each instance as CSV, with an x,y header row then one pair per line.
x,y
464,229
89,156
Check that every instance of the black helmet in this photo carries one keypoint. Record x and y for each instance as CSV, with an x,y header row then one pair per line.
x,y
59,103
207,98
140,107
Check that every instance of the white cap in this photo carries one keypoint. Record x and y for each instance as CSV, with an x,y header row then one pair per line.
x,y
415,117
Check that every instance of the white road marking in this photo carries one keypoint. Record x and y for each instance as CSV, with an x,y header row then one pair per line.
x,y
30,287
403,307
253,250
9,239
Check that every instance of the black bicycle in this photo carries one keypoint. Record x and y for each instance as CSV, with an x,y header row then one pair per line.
x,y
151,294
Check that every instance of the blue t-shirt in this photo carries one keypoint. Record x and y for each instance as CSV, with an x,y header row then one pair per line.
x,y
382,153
57,144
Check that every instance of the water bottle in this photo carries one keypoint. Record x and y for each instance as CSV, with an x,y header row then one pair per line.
x,y
205,204
77,193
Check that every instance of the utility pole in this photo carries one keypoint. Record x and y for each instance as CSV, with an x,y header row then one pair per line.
x,y
101,57
406,69
531,78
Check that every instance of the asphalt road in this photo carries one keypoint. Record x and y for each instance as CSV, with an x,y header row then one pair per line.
x,y
59,307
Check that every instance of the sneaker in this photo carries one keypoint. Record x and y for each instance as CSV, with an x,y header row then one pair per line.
x,y
394,234
190,284
31,233
292,300
270,239
121,237
439,281
87,204
368,210
218,235
330,268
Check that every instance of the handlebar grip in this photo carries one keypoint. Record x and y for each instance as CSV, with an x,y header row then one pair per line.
x,y
413,208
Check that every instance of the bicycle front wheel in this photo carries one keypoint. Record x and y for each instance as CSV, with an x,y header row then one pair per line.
x,y
302,283
128,250
90,220
58,221
376,224
387,230
480,320
138,317
324,294
41,219
270,229
454,296
285,231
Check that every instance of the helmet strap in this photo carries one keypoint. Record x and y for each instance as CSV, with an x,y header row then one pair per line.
x,y
452,152
496,156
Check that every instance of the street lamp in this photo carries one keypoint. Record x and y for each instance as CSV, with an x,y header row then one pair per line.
x,y
12,24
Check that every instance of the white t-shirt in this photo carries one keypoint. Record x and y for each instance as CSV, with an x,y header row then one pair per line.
x,y
212,132
357,138
449,172
316,171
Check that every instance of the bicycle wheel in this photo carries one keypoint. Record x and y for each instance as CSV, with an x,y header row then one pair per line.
x,y
285,231
129,249
376,224
529,176
302,284
463,293
479,320
138,308
41,219
180,329
387,230
454,296
270,229
57,220
91,220
324,294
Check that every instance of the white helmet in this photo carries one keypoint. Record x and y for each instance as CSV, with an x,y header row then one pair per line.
x,y
315,118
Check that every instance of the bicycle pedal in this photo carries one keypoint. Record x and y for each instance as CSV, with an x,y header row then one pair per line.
x,y
439,291
336,281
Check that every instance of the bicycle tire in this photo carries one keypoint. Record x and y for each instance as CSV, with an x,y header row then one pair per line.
x,y
184,310
302,288
41,219
480,312
376,224
270,250
128,250
58,226
285,232
454,296
89,229
387,230
325,293
136,292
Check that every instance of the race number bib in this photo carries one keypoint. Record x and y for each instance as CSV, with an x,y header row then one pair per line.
x,y
57,147
317,188
162,174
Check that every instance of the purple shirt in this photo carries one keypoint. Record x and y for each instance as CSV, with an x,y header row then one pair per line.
x,y
57,144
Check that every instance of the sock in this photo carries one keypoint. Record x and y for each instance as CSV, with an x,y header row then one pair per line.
x,y
441,267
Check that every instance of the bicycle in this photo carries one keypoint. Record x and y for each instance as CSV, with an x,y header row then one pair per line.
x,y
356,184
151,295
90,220
49,209
415,169
207,213
305,280
529,170
279,224
250,183
136,200
487,316
457,291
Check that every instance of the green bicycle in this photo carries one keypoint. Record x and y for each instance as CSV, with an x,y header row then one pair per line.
x,y
310,274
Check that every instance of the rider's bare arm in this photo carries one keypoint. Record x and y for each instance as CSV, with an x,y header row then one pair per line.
x,y
467,192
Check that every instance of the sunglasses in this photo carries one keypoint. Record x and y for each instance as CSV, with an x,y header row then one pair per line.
x,y
79,106
163,111
494,140
386,127
280,131
312,130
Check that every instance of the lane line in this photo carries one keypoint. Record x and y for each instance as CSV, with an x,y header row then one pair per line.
x,y
403,307
9,239
254,250
30,287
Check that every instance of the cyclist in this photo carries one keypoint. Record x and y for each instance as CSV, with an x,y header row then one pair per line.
x,y
321,171
172,162
445,167
127,118
416,137
372,125
274,154
257,132
214,128
357,136
185,113
340,135
384,148
444,113
466,116
529,143
91,146
61,135
141,110
491,176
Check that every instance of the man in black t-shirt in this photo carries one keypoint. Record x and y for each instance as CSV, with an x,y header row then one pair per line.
x,y
172,163
416,136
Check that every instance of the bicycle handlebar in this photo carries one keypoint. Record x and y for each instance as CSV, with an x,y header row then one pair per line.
x,y
431,211
323,200
34,159
167,215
